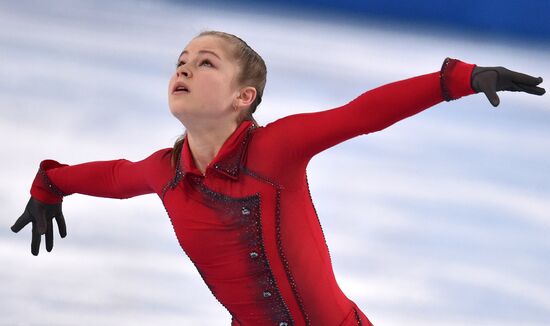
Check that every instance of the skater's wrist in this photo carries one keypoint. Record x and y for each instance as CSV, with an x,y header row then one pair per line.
x,y
43,189
455,79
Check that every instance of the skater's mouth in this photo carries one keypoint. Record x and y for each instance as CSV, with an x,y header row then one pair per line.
x,y
180,88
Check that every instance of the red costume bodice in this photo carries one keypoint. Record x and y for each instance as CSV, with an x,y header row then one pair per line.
x,y
249,224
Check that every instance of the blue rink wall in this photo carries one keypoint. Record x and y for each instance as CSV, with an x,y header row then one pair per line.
x,y
528,19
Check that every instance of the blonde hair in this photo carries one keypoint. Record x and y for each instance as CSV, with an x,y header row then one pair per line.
x,y
252,72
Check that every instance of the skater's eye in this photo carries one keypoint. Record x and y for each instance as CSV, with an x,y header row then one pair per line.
x,y
204,62
207,62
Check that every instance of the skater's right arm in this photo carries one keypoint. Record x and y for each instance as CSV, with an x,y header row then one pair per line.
x,y
114,179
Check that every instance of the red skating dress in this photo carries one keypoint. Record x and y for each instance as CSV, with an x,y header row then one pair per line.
x,y
249,224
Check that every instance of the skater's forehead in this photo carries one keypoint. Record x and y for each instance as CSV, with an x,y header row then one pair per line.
x,y
205,44
202,52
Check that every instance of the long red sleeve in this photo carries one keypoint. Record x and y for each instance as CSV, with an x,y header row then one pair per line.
x,y
301,136
114,179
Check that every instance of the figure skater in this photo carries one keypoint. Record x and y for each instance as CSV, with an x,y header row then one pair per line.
x,y
237,193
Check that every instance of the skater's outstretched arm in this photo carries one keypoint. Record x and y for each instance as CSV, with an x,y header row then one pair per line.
x,y
301,136
113,179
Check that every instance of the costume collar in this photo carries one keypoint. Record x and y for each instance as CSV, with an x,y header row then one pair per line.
x,y
230,157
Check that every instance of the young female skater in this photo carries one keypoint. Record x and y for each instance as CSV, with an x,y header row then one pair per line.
x,y
237,193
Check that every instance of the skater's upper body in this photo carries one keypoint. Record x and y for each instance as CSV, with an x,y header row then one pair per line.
x,y
237,193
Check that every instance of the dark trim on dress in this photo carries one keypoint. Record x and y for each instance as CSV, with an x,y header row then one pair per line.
x,y
279,242
447,65
49,184
357,317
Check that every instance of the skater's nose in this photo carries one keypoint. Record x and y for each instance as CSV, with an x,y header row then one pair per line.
x,y
183,70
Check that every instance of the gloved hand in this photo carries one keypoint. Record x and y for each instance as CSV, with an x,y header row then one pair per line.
x,y
41,215
489,80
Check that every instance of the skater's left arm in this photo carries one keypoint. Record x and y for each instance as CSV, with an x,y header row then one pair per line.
x,y
299,137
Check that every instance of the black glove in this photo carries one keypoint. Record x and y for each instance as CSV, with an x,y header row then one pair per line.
x,y
41,216
489,80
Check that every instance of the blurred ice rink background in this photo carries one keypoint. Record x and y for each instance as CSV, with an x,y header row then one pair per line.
x,y
441,219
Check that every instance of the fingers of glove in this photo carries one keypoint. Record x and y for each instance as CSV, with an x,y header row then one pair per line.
x,y
21,222
493,98
532,89
35,243
60,219
41,221
488,87
49,236
524,78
